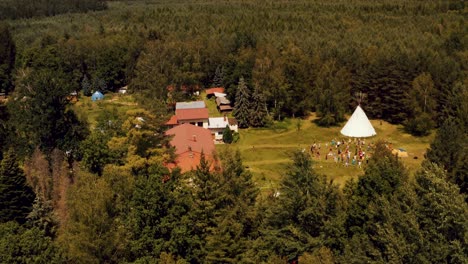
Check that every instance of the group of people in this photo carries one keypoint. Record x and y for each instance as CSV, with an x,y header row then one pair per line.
x,y
352,152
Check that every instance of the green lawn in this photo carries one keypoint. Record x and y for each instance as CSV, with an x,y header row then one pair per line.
x,y
211,105
266,151
89,110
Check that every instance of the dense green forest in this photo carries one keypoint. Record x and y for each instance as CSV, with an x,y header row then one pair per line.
x,y
75,192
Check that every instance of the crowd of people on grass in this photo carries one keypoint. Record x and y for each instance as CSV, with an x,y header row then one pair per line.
x,y
351,152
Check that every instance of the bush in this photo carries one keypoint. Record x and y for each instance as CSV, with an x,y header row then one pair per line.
x,y
227,135
419,126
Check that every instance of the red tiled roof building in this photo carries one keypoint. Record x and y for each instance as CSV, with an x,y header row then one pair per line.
x,y
190,141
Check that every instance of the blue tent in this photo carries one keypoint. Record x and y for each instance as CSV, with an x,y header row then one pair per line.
x,y
97,96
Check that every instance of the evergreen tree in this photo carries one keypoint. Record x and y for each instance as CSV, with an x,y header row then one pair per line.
x,y
383,176
242,104
218,79
158,218
227,135
205,205
449,150
301,212
40,115
16,197
228,240
4,137
22,245
442,215
258,109
99,85
381,225
7,58
86,86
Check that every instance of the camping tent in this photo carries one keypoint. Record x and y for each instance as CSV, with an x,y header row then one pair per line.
x,y
97,96
400,153
358,125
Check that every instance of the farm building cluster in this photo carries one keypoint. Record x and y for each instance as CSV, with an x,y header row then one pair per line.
x,y
194,131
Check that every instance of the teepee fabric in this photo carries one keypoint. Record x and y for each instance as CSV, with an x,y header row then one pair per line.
x,y
358,125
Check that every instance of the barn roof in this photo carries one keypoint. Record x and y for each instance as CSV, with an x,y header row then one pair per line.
x,y
190,105
192,114
211,91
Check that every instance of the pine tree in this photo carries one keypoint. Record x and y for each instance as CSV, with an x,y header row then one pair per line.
x,y
16,197
258,109
301,212
7,58
86,86
380,224
228,240
205,205
218,80
242,105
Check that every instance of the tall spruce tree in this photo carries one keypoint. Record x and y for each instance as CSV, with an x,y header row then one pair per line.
x,y
228,240
242,105
381,225
258,109
16,197
300,213
7,58
205,206
218,79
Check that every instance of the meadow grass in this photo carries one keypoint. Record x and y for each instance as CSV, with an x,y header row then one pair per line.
x,y
266,152
88,110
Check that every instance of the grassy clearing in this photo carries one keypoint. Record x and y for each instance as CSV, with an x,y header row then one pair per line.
x,y
211,105
88,110
266,151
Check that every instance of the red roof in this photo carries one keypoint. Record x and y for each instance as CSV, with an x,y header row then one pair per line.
x,y
190,141
191,114
214,90
189,136
173,121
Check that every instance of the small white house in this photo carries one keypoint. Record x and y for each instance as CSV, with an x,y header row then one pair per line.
x,y
217,124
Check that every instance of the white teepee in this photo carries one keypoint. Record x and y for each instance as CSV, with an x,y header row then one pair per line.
x,y
358,125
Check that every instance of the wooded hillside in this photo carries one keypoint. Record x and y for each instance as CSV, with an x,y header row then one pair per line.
x,y
77,188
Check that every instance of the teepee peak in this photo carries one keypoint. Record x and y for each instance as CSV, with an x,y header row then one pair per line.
x,y
358,125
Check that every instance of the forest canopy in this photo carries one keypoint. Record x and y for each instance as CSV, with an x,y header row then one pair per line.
x,y
101,191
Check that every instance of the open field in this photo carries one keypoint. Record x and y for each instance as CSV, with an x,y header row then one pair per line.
x,y
89,110
266,151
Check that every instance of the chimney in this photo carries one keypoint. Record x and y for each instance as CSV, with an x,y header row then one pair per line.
x,y
225,118
194,138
